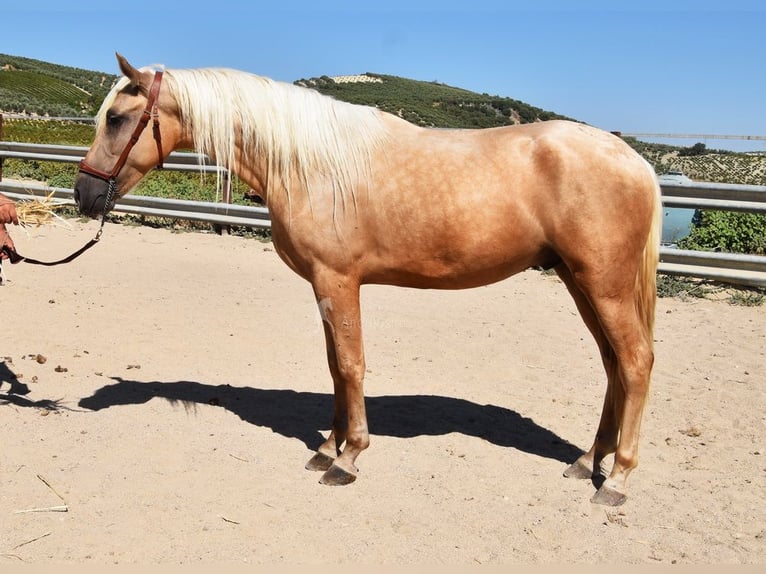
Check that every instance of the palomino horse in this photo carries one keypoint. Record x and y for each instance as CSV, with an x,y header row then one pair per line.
x,y
360,196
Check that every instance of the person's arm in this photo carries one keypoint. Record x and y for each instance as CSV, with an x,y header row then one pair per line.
x,y
7,215
5,239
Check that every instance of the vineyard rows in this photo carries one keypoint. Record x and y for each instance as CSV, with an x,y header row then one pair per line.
x,y
747,169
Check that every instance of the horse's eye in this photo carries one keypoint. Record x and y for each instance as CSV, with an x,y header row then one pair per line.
x,y
113,120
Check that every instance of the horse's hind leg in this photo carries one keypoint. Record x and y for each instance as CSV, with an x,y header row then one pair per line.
x,y
605,443
627,353
338,301
632,346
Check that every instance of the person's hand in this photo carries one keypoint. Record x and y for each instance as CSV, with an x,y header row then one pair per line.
x,y
8,211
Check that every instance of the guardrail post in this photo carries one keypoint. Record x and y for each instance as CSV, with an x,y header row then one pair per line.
x,y
226,198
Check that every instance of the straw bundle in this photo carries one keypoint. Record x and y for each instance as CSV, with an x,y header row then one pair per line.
x,y
36,212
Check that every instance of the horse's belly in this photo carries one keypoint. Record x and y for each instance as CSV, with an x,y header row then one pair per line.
x,y
449,272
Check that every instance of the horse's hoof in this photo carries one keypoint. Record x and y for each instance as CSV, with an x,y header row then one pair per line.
x,y
320,461
337,476
608,497
578,470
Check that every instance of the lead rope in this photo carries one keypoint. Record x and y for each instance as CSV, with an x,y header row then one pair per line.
x,y
14,257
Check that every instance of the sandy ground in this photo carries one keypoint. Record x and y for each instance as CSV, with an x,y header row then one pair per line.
x,y
185,386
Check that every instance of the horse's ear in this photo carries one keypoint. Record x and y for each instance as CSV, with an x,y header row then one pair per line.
x,y
129,71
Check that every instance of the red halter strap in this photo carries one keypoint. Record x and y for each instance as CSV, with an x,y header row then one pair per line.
x,y
149,112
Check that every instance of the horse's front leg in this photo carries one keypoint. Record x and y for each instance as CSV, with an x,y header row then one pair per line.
x,y
331,448
339,309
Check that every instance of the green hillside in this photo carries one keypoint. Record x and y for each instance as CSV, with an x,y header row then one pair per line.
x,y
429,103
35,87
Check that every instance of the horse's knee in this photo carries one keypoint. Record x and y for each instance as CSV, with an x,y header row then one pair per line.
x,y
351,370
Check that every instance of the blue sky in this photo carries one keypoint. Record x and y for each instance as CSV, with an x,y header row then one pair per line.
x,y
680,66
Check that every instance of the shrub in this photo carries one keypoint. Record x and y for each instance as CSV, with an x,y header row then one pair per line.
x,y
728,232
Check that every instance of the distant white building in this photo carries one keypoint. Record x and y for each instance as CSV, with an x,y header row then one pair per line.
x,y
358,79
674,177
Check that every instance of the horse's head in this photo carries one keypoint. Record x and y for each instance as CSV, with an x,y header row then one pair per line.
x,y
124,151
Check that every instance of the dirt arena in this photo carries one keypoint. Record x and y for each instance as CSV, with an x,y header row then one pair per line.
x,y
160,396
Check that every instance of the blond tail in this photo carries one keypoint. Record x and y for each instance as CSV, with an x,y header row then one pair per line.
x,y
646,280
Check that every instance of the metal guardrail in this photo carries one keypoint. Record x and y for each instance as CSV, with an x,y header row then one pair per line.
x,y
216,213
734,268
176,161
725,267
723,196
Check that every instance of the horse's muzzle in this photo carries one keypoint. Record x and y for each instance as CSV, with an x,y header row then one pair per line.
x,y
90,195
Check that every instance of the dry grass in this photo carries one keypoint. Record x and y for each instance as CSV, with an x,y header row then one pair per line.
x,y
36,212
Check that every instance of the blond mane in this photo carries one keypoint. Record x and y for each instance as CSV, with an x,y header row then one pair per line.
x,y
298,130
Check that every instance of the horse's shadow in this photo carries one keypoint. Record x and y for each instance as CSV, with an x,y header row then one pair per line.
x,y
301,414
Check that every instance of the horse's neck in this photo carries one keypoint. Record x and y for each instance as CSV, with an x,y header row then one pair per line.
x,y
252,171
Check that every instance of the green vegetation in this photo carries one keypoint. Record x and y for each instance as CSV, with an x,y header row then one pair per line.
x,y
681,287
430,103
685,288
38,130
728,232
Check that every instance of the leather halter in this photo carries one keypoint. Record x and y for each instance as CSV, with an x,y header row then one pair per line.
x,y
149,112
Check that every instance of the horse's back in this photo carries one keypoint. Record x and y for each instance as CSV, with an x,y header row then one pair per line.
x,y
555,164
